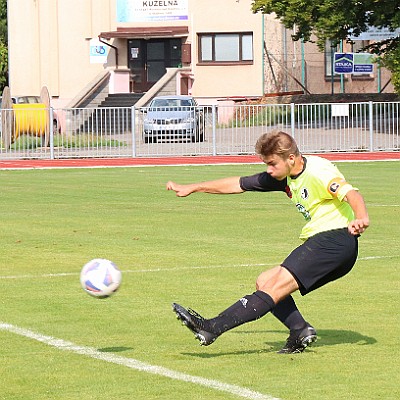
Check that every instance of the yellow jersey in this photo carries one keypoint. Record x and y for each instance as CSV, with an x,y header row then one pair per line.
x,y
317,192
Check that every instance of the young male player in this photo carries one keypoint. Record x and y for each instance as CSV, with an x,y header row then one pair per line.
x,y
335,215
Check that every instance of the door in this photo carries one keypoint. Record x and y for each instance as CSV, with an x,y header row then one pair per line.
x,y
148,60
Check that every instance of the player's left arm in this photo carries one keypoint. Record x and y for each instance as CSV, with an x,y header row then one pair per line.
x,y
361,220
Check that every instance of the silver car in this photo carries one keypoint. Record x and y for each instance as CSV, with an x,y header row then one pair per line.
x,y
171,118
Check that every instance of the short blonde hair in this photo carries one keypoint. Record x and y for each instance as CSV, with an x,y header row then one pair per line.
x,y
278,142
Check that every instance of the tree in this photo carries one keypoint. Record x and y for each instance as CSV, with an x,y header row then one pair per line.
x,y
3,45
391,60
335,20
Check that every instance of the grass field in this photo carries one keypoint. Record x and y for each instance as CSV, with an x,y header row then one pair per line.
x,y
203,251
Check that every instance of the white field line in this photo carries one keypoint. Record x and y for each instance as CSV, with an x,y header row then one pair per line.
x,y
135,364
152,270
383,205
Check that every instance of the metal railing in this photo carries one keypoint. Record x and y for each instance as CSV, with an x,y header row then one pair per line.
x,y
215,130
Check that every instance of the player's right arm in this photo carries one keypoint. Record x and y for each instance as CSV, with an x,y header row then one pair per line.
x,y
220,186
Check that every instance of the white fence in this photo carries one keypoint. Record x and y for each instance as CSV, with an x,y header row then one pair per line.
x,y
225,130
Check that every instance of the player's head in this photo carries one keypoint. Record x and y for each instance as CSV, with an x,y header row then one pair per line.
x,y
276,143
280,153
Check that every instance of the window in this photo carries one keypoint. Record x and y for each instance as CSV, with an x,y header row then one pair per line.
x,y
329,54
222,48
358,45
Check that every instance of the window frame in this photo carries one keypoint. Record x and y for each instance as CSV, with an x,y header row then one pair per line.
x,y
328,57
213,35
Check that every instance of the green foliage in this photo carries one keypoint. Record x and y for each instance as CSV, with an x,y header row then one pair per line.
x,y
3,45
83,141
334,20
391,60
3,21
3,65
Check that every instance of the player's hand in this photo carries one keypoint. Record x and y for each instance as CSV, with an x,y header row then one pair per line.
x,y
358,226
180,190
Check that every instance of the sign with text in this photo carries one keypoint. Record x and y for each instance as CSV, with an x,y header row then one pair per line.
x,y
376,34
151,10
353,63
343,63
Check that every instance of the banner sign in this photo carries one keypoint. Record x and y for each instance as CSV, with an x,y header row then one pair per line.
x,y
151,10
343,63
376,34
353,63
98,52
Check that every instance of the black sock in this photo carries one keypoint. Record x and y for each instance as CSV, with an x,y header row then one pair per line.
x,y
287,312
248,308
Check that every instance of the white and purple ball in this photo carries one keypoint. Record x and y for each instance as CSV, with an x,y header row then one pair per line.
x,y
100,278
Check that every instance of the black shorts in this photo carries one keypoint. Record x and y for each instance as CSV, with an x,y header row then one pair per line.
x,y
322,258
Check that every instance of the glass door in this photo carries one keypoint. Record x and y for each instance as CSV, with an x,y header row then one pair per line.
x,y
149,59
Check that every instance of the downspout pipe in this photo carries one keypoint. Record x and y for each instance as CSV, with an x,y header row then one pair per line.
x,y
115,49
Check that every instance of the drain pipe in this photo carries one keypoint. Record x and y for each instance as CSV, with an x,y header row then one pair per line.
x,y
114,47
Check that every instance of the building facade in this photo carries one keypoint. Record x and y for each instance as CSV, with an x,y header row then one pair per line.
x,y
220,49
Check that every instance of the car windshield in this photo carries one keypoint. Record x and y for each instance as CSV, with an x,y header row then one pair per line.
x,y
28,99
171,103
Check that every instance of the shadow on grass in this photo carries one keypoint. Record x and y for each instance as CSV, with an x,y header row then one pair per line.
x,y
326,337
332,337
114,349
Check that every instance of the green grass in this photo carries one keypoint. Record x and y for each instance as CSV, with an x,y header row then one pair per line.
x,y
203,251
80,141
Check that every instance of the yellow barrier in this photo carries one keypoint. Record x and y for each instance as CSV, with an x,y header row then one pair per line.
x,y
24,119
30,119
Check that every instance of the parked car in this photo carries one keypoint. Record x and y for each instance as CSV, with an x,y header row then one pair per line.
x,y
26,99
173,118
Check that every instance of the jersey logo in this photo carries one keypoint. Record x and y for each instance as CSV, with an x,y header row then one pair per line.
x,y
304,193
244,302
303,211
335,185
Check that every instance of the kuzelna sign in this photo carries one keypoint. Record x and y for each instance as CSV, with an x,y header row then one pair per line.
x,y
353,63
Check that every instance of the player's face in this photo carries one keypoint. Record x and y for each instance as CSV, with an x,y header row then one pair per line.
x,y
277,167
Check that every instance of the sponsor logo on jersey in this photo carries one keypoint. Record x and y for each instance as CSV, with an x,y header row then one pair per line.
x,y
303,210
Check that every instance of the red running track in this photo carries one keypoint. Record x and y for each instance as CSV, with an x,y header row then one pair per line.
x,y
194,160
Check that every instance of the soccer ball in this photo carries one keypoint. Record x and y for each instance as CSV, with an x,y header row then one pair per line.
x,y
100,278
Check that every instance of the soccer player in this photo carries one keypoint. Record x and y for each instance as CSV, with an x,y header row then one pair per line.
x,y
335,215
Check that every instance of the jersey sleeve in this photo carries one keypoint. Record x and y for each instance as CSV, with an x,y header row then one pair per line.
x,y
262,182
338,187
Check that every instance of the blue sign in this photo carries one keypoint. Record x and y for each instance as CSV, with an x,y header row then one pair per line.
x,y
343,63
363,68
